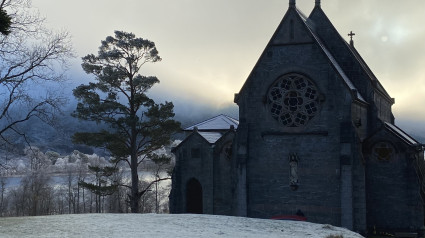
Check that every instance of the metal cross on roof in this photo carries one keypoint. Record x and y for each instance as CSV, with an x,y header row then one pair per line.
x,y
351,38
351,35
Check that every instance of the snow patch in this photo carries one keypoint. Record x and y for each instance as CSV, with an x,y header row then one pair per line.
x,y
163,226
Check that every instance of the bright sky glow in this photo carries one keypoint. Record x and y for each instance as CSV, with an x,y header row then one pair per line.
x,y
209,47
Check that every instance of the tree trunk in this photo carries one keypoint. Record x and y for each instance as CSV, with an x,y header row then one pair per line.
x,y
3,184
69,193
91,203
84,202
78,198
134,198
156,196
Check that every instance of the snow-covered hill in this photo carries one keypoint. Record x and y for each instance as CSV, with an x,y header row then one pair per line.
x,y
157,226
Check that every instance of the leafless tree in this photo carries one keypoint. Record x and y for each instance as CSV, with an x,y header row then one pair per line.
x,y
32,59
38,160
34,196
3,203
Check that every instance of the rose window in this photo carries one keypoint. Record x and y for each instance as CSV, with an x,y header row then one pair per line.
x,y
293,100
383,151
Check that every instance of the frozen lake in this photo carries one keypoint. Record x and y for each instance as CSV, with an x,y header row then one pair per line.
x,y
62,179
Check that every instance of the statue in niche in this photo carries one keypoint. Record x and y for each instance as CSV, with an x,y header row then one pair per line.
x,y
293,171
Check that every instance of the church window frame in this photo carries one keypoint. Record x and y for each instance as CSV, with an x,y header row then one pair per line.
x,y
293,100
383,151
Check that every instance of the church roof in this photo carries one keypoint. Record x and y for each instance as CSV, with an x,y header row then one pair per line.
x,y
217,123
211,130
346,54
335,64
401,134
206,136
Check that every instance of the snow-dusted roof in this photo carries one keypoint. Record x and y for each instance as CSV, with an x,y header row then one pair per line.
x,y
211,137
218,123
401,134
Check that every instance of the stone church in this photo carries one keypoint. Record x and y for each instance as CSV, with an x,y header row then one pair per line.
x,y
315,135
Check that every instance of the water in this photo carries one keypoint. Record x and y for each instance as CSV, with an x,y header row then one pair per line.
x,y
62,179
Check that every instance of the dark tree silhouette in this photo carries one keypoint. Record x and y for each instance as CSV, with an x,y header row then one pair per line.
x,y
137,125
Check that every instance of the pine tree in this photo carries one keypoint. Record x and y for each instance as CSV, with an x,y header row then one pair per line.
x,y
137,125
5,22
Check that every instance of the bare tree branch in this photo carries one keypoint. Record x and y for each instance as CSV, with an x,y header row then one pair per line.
x,y
31,57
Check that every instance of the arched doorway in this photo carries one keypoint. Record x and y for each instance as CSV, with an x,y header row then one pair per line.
x,y
194,197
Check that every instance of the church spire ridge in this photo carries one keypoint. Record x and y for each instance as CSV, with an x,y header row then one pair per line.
x,y
317,3
291,3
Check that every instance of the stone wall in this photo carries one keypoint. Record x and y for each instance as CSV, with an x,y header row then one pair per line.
x,y
223,175
393,198
194,160
318,144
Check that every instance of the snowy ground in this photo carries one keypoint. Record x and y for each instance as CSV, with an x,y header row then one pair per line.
x,y
166,226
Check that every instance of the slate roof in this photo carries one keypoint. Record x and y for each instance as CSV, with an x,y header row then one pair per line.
x,y
401,134
217,123
212,129
344,53
333,61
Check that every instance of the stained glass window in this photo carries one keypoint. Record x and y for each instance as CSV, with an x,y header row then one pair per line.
x,y
383,151
293,100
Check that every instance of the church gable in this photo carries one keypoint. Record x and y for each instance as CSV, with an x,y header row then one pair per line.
x,y
296,71
292,29
292,41
194,138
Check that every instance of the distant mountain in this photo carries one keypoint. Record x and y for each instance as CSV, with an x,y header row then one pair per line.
x,y
57,137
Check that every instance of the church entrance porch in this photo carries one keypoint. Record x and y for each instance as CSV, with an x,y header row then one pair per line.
x,y
194,197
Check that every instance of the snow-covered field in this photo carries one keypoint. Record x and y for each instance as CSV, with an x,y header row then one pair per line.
x,y
164,225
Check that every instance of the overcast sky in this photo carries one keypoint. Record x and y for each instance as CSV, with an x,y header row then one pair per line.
x,y
209,47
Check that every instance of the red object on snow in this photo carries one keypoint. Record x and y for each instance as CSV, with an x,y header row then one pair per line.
x,y
290,218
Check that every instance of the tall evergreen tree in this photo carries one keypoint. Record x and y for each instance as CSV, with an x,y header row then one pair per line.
x,y
137,125
5,19
5,22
